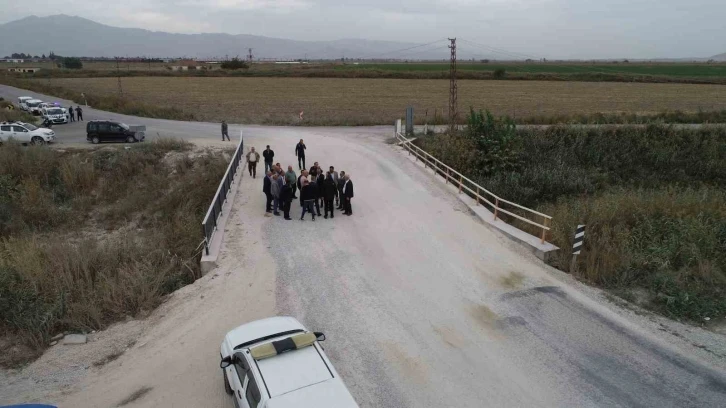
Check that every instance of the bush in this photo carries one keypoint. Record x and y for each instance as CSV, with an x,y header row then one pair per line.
x,y
499,73
72,63
234,63
653,200
82,247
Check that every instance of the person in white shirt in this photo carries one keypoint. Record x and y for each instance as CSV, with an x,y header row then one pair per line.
x,y
252,159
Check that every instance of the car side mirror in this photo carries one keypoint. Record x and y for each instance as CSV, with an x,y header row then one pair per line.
x,y
320,336
226,362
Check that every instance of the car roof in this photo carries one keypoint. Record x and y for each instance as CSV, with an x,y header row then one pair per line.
x,y
293,370
262,328
330,393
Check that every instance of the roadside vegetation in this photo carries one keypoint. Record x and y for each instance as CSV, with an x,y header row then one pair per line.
x,y
12,115
653,200
89,237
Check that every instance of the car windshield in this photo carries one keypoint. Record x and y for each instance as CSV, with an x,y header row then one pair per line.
x,y
30,127
55,111
124,126
33,104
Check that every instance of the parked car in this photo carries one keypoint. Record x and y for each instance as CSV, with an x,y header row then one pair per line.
x,y
33,106
25,133
98,131
22,102
277,363
55,114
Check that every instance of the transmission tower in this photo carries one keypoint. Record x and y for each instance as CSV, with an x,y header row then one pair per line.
x,y
453,114
249,55
118,76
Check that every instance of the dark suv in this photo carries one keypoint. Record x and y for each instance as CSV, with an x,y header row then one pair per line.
x,y
111,131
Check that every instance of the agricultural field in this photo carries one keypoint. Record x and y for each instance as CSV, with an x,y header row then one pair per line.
x,y
656,69
366,101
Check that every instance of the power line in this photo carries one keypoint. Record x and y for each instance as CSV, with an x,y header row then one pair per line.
x,y
496,50
373,56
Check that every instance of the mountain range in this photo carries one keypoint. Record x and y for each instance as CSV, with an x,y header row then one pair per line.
x,y
76,36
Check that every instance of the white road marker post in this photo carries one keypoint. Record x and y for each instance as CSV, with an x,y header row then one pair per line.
x,y
577,246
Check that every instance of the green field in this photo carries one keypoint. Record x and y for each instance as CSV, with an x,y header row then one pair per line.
x,y
662,69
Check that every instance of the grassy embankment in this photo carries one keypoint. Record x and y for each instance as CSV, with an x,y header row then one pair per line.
x,y
653,200
353,102
89,237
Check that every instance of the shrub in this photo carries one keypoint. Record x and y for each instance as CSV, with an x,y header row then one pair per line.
x,y
234,63
72,63
499,73
653,200
61,269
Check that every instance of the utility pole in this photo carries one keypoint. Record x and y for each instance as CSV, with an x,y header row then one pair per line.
x,y
453,114
249,55
118,75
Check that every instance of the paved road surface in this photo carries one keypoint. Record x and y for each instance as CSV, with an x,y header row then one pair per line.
x,y
422,305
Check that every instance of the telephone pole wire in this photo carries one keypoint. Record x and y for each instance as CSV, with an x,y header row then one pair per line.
x,y
453,114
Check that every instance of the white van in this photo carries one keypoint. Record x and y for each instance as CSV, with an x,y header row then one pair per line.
x,y
22,100
33,106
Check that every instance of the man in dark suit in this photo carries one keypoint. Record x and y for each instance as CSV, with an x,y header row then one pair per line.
x,y
330,192
268,154
300,153
267,189
341,182
286,199
320,182
348,194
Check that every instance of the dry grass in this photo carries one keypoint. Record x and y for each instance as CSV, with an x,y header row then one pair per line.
x,y
360,101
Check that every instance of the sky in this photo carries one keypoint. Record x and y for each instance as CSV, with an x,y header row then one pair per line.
x,y
553,29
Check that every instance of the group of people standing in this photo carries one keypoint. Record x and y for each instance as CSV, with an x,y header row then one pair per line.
x,y
78,111
316,186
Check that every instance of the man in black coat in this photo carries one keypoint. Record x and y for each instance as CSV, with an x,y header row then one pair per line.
x,y
348,194
79,113
341,183
308,196
268,154
300,153
320,182
286,199
267,189
330,192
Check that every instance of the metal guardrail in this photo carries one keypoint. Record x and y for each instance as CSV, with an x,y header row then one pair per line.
x,y
209,225
476,191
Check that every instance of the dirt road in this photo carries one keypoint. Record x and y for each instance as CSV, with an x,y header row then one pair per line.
x,y
422,306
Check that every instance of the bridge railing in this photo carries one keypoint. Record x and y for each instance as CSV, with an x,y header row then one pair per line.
x,y
481,194
209,225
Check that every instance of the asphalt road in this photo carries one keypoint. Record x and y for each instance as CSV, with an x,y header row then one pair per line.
x,y
422,305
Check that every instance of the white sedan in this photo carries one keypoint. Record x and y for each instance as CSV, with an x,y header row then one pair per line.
x,y
25,133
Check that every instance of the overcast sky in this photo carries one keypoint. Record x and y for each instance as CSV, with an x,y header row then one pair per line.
x,y
537,28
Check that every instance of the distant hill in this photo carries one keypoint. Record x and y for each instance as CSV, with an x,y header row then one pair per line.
x,y
76,36
719,57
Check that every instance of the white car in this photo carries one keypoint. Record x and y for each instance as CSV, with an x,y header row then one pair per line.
x,y
33,106
277,363
22,102
25,133
55,114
